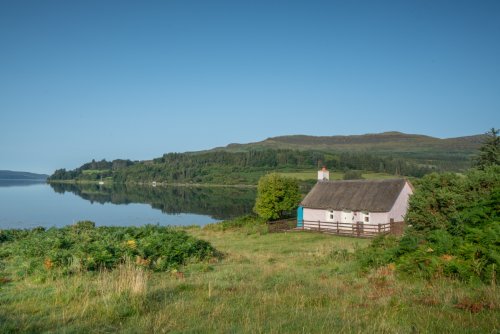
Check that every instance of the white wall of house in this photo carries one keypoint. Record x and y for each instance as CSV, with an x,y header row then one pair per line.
x,y
379,218
400,207
315,215
374,218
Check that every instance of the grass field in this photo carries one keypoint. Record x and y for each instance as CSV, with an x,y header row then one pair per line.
x,y
294,282
94,171
312,175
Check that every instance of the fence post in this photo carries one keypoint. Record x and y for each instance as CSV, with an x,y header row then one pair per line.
x,y
379,228
337,227
391,225
319,226
357,229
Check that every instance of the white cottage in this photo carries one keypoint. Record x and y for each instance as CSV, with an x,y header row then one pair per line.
x,y
360,206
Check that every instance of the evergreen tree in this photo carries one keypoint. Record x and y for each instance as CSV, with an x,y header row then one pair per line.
x,y
489,153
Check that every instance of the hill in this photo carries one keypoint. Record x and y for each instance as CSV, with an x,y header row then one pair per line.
x,y
14,175
386,142
452,154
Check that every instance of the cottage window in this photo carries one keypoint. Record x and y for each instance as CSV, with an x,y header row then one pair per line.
x,y
329,216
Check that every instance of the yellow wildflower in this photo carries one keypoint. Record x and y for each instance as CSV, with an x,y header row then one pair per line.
x,y
131,244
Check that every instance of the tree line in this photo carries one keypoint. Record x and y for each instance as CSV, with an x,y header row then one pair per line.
x,y
224,167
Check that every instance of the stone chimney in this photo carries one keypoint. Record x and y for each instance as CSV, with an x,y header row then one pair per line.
x,y
323,174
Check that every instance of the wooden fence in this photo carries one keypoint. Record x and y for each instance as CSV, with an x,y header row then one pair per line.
x,y
358,229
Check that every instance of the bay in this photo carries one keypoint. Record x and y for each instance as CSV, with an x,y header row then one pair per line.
x,y
26,204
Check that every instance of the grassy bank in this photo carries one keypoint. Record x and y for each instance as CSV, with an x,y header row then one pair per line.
x,y
335,175
272,283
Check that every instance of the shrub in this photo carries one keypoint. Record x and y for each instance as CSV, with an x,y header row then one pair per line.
x,y
85,247
455,229
249,224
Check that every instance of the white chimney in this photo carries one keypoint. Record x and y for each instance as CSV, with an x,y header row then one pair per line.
x,y
323,174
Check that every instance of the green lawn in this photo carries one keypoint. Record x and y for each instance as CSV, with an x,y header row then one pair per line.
x,y
94,171
294,282
312,175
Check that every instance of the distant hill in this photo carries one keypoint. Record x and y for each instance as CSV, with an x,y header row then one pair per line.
x,y
386,142
13,175
453,154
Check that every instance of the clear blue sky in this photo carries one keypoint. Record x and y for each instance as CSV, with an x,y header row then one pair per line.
x,y
135,79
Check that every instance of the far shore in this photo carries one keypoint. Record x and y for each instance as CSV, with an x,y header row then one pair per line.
x,y
157,184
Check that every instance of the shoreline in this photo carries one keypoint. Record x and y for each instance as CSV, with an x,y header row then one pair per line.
x,y
157,184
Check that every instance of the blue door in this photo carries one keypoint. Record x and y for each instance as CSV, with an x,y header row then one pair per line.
x,y
300,216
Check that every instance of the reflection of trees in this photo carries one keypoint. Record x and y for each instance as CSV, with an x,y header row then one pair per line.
x,y
217,202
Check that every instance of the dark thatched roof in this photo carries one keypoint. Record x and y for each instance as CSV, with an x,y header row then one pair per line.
x,y
355,195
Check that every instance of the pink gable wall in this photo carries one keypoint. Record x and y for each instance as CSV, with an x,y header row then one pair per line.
x,y
400,206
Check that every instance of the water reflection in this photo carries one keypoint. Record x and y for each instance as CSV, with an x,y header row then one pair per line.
x,y
217,202
20,183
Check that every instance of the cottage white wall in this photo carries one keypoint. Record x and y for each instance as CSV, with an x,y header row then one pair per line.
x,y
377,218
400,207
319,214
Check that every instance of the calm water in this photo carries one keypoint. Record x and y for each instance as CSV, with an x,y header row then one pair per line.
x,y
26,205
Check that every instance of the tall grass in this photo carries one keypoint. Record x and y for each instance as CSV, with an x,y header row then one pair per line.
x,y
266,283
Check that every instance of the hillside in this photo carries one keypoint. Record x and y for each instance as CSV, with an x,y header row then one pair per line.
x,y
14,175
393,153
386,142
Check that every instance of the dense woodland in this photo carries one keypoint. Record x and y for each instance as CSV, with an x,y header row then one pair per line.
x,y
222,167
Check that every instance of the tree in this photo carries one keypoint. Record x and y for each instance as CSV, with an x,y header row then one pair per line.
x,y
277,196
489,153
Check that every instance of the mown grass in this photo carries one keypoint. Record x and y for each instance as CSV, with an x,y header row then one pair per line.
x,y
312,175
294,282
94,171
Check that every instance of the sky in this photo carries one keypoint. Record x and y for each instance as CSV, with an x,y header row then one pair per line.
x,y
83,80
